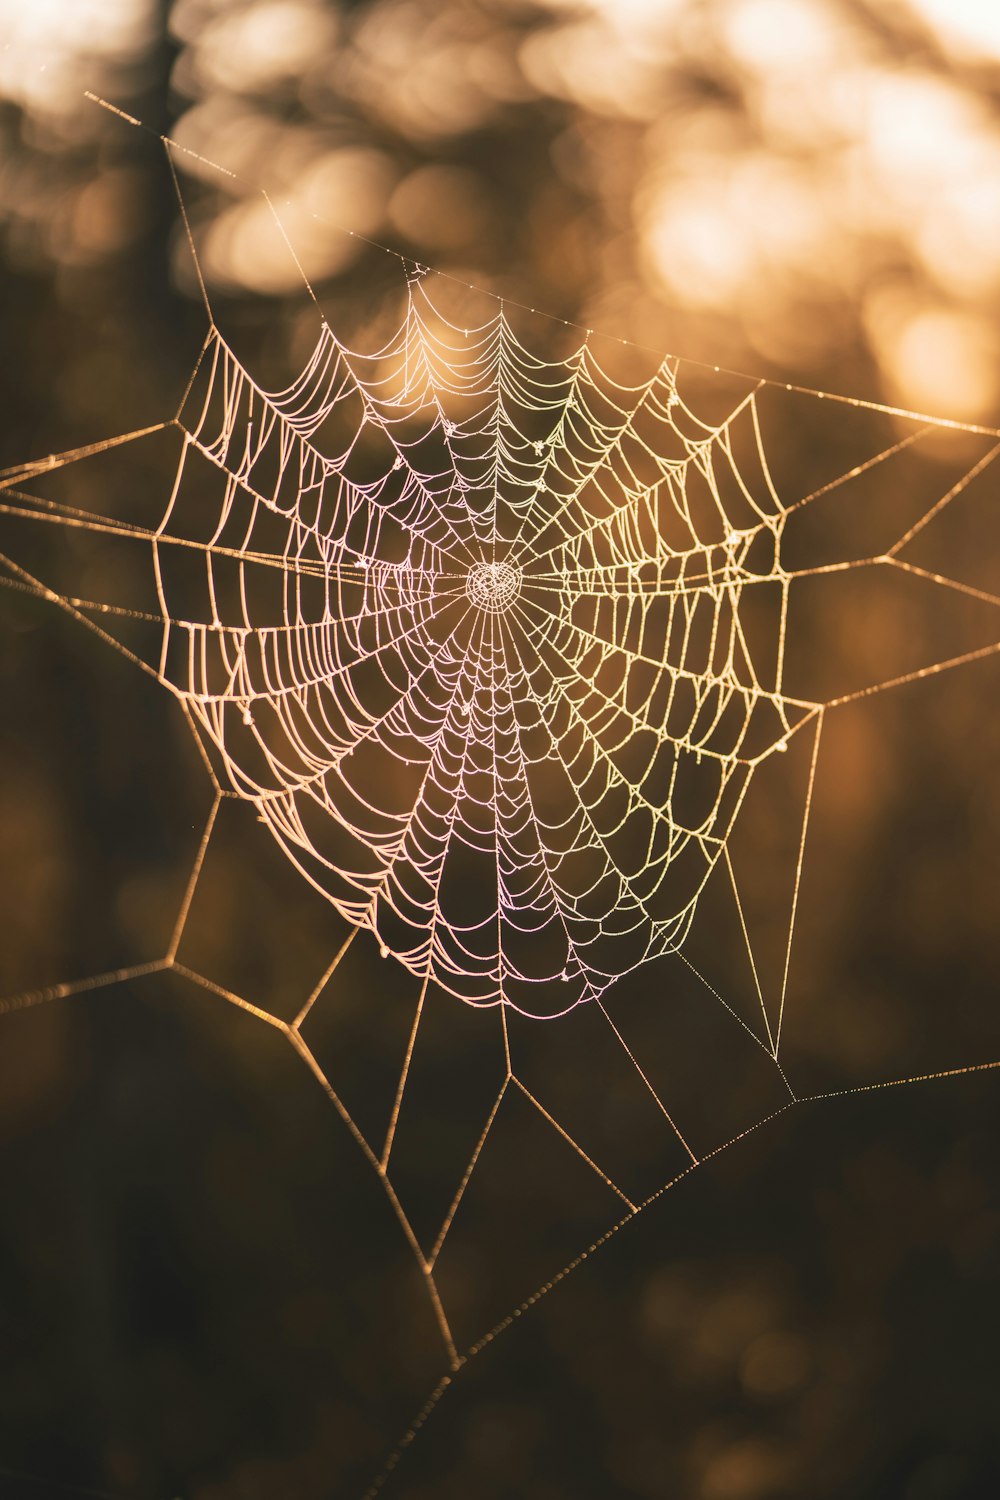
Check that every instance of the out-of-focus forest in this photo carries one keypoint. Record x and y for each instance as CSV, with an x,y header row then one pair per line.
x,y
204,1295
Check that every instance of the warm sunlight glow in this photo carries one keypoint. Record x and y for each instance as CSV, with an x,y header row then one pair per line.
x,y
969,28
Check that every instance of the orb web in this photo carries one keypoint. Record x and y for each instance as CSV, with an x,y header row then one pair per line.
x,y
494,639
501,707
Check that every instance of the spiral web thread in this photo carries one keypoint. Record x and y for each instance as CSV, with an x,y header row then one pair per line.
x,y
454,606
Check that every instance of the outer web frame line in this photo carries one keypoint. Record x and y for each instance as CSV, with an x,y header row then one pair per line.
x,y
392,1462
749,945
957,489
896,1083
968,589
884,408
458,1360
35,468
798,879
609,1182
467,1175
917,675
397,1102
324,980
42,591
679,953
635,1063
192,884
406,1441
28,999
305,1052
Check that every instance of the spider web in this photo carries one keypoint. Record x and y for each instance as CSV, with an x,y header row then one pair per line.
x,y
494,638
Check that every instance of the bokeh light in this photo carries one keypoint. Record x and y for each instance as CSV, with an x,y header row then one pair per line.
x,y
803,184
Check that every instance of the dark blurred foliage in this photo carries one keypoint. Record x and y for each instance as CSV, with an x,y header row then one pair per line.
x,y
205,1294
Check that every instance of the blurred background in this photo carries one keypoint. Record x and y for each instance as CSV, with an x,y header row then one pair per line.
x,y
204,1296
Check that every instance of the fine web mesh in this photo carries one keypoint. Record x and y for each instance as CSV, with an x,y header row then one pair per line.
x,y
514,653
494,634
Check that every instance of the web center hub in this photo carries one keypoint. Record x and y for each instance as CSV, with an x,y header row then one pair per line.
x,y
493,585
